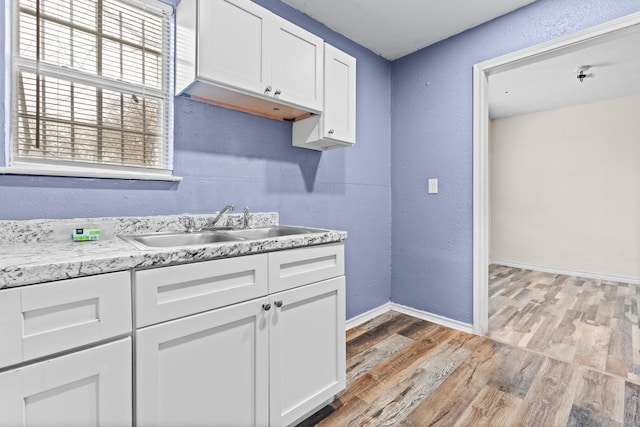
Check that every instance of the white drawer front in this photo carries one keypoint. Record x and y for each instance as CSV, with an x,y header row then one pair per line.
x,y
172,292
44,319
296,267
86,388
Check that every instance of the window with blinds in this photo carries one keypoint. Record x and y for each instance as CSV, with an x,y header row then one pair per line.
x,y
90,83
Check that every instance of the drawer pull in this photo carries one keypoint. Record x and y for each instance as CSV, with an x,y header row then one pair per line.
x,y
266,307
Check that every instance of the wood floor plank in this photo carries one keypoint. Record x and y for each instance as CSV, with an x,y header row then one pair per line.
x,y
409,372
379,320
449,401
389,402
549,400
344,407
592,322
631,405
400,361
490,408
515,373
354,332
540,340
377,333
584,417
592,348
620,345
601,394
404,364
562,342
417,329
367,360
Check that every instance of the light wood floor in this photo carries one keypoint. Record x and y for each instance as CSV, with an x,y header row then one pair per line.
x,y
561,351
589,322
402,371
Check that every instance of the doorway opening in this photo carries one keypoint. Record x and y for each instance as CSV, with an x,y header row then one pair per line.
x,y
481,193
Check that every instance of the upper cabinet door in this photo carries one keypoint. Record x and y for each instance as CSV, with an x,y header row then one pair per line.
x,y
232,47
340,95
336,127
296,68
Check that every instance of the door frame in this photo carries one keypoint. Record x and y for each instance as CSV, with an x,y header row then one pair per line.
x,y
481,184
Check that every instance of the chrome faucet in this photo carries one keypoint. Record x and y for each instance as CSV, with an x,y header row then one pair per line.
x,y
222,212
245,218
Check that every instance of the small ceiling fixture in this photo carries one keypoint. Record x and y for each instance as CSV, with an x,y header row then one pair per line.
x,y
582,73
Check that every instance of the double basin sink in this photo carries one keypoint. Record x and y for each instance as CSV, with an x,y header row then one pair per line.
x,y
203,237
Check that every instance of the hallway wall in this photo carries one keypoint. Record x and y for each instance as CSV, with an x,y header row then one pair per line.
x,y
565,188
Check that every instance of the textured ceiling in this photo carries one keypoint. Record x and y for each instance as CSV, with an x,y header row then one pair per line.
x,y
395,28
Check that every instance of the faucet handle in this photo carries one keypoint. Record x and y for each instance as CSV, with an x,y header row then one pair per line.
x,y
189,224
245,217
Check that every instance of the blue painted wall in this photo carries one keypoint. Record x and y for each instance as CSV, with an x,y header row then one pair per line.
x,y
432,137
423,131
231,157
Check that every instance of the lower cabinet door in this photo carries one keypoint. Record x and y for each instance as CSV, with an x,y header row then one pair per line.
x,y
87,388
208,369
307,347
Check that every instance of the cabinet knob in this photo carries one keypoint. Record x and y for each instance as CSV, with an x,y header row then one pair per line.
x,y
267,89
277,92
266,307
331,131
278,303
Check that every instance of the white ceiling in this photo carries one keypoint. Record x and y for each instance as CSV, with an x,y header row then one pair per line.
x,y
395,28
551,82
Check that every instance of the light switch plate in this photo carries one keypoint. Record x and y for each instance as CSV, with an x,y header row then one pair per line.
x,y
433,186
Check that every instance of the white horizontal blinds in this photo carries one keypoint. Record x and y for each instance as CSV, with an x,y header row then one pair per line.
x,y
91,83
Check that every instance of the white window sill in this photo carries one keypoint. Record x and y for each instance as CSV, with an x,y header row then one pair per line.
x,y
88,173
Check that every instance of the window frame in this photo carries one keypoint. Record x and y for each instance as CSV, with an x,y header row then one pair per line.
x,y
11,165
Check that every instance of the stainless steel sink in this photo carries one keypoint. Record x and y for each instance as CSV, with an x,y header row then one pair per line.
x,y
163,240
203,237
268,232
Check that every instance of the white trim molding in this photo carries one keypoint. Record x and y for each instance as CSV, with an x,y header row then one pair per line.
x,y
367,315
88,172
481,73
433,318
419,314
583,274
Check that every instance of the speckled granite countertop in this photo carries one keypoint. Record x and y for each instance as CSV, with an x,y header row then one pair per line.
x,y
37,251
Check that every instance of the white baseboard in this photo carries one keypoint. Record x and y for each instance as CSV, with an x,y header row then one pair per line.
x,y
367,315
430,317
433,318
595,276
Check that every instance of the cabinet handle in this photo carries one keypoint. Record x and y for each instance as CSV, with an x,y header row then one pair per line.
x,y
267,89
278,303
266,307
331,131
277,92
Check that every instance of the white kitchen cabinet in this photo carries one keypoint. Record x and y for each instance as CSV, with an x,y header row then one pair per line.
x,y
208,369
296,68
87,388
239,55
181,290
271,360
296,267
45,319
307,349
336,126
